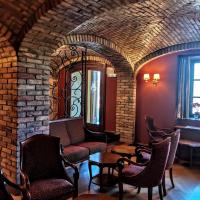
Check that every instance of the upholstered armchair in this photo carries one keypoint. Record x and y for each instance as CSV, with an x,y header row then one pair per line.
x,y
175,136
156,134
42,169
147,175
5,194
143,154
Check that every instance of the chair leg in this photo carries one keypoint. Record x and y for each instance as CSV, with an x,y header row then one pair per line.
x,y
171,177
160,191
138,191
150,190
121,190
164,186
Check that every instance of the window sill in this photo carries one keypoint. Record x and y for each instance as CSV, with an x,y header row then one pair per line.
x,y
188,122
194,119
189,119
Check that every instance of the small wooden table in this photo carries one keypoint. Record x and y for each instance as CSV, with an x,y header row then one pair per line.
x,y
124,150
103,160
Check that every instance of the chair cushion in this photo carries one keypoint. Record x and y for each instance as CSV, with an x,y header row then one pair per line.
x,y
132,170
75,153
146,156
75,130
58,128
50,189
93,147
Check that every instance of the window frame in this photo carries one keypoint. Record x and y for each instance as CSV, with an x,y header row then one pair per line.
x,y
192,80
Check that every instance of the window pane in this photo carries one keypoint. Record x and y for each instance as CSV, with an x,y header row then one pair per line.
x,y
196,89
197,71
93,97
76,80
196,108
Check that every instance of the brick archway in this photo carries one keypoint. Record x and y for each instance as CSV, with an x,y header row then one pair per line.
x,y
125,112
164,51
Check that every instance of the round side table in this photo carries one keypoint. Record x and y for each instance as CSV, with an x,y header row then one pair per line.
x,y
103,160
124,150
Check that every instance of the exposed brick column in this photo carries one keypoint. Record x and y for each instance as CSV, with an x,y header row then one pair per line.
x,y
125,111
33,92
8,113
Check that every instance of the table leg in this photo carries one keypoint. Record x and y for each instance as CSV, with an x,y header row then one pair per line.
x,y
108,170
90,174
101,178
191,155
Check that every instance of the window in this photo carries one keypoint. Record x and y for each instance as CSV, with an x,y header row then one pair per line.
x,y
195,87
188,88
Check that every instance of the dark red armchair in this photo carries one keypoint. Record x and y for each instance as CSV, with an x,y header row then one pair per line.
x,y
43,172
156,134
146,175
143,154
5,194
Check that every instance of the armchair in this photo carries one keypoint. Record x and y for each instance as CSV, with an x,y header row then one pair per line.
x,y
42,169
156,134
143,155
147,175
4,194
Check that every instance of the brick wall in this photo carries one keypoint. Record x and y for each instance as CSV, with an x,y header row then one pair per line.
x,y
125,110
8,112
127,33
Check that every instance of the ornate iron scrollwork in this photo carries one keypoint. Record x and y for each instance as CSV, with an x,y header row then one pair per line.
x,y
73,94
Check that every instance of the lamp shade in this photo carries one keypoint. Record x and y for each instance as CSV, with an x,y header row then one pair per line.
x,y
156,77
146,77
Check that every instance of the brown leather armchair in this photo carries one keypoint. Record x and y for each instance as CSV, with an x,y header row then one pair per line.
x,y
144,154
146,175
5,194
42,169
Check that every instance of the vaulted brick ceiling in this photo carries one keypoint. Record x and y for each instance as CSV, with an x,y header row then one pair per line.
x,y
138,27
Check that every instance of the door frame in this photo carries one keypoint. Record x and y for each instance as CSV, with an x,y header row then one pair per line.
x,y
98,67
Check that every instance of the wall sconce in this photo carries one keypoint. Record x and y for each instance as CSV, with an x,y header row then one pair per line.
x,y
146,77
156,78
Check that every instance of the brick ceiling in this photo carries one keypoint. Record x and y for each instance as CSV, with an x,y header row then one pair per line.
x,y
137,27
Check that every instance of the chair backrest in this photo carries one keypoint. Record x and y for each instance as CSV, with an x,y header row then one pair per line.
x,y
153,172
75,129
58,128
4,194
175,136
150,124
40,157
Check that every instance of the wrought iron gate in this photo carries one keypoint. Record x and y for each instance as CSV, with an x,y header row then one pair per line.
x,y
73,94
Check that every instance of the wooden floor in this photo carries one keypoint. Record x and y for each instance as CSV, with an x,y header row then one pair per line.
x,y
187,185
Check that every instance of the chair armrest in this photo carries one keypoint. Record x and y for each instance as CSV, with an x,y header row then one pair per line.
x,y
67,163
142,149
155,135
75,175
95,136
166,130
25,180
21,188
121,160
138,144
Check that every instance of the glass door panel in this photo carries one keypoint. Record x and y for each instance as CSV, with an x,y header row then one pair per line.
x,y
93,97
75,103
